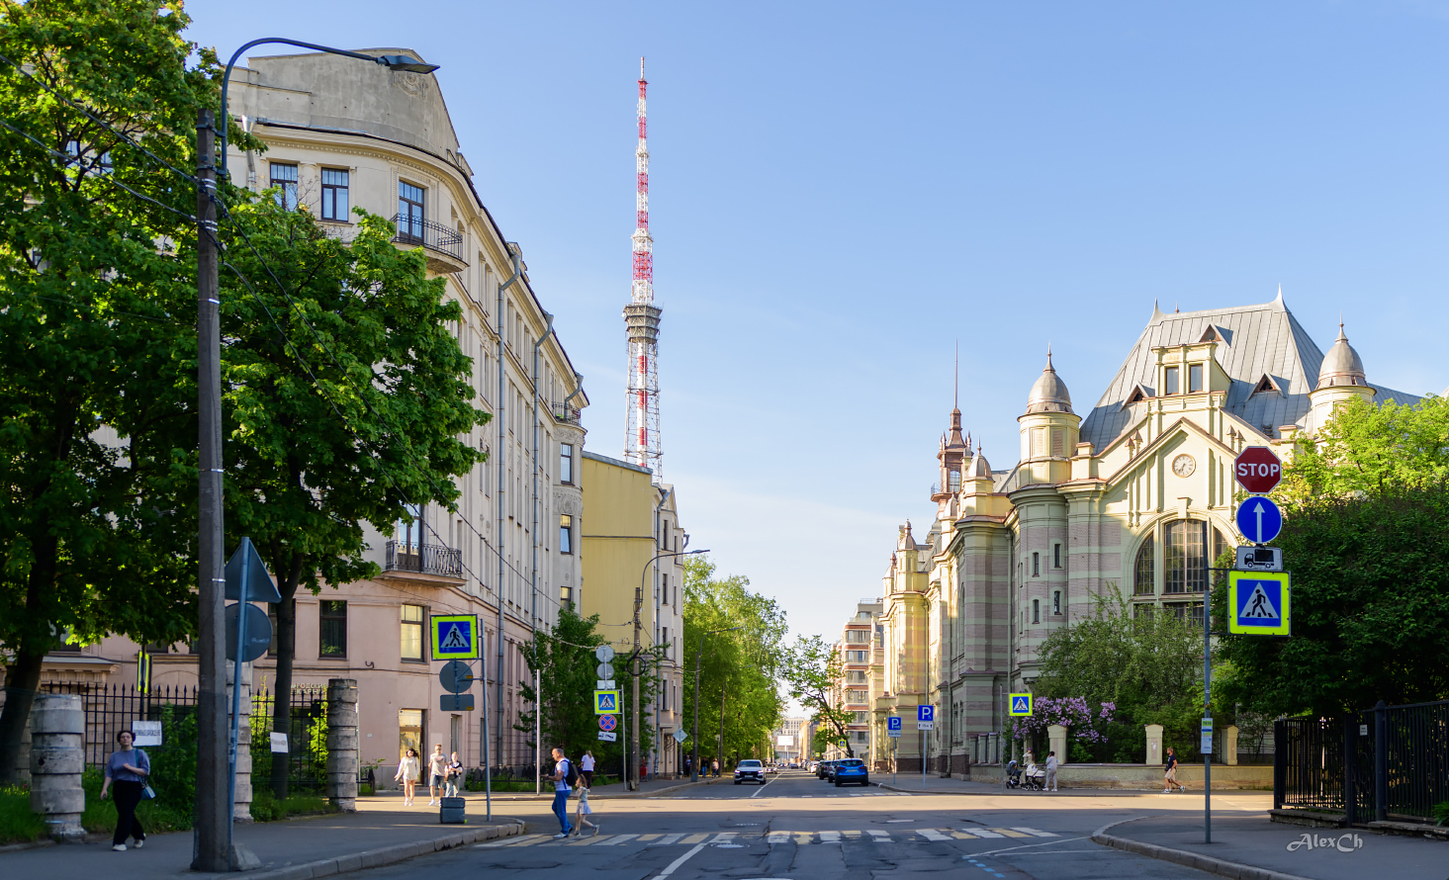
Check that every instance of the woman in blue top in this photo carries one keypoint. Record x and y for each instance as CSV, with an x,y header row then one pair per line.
x,y
127,769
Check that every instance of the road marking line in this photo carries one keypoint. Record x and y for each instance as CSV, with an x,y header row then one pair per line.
x,y
778,837
852,835
517,841
982,832
674,865
696,838
932,834
725,837
668,839
878,835
1027,846
1009,833
962,835
763,787
804,837
618,839
1035,833
830,837
583,841
650,836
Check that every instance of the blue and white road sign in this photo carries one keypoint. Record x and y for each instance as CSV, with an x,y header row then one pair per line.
x,y
1020,705
455,636
1259,602
893,725
1259,519
925,713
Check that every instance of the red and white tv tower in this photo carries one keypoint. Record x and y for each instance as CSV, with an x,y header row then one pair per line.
x,y
641,318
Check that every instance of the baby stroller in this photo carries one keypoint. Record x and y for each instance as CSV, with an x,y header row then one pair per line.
x,y
1034,779
1013,775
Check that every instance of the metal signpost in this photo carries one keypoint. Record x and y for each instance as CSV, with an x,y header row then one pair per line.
x,y
893,730
246,582
925,720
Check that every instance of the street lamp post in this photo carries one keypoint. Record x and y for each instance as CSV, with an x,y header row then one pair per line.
x,y
216,758
698,656
632,750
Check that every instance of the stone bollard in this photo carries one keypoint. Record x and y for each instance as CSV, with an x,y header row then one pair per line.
x,y
22,757
1057,737
242,812
57,730
342,743
1230,745
1154,744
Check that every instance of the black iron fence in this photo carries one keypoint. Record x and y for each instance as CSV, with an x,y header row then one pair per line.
x,y
433,236
112,708
1386,763
424,559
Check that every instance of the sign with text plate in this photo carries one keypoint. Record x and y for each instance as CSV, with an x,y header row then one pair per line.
x,y
455,703
608,736
893,725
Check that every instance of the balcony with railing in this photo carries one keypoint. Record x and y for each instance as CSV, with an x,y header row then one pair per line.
x,y
423,564
444,246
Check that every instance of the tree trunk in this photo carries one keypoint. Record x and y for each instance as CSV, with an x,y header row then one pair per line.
x,y
282,702
22,676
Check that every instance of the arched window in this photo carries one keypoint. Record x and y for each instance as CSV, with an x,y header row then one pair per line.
x,y
1184,555
1145,570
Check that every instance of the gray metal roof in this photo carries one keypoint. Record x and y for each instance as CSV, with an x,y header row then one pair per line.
x,y
1260,340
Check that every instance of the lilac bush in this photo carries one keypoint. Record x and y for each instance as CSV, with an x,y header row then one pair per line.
x,y
1073,713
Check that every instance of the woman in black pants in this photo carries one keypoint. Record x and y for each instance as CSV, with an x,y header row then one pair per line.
x,y
127,769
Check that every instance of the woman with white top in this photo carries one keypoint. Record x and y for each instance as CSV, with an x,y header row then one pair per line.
x,y
586,769
407,774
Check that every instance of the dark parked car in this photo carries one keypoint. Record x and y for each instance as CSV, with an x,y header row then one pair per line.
x,y
851,770
749,770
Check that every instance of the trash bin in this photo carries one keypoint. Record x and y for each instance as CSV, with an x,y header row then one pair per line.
x,y
454,811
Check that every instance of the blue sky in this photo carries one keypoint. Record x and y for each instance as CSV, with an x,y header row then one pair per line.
x,y
839,191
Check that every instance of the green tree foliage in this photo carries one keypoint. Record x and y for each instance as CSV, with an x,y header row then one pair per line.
x,y
1148,666
345,399
96,319
1366,537
814,674
565,663
738,670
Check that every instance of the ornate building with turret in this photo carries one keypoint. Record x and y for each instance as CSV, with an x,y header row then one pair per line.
x,y
1130,498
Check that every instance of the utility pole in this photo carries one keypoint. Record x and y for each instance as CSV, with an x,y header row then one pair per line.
x,y
211,846
634,674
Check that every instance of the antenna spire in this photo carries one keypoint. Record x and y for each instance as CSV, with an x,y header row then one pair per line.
x,y
641,316
956,389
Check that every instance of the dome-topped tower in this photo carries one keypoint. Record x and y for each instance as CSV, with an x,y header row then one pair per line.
x,y
1342,365
1341,378
1049,429
1049,394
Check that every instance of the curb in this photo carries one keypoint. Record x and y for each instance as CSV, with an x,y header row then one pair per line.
x,y
386,855
1221,867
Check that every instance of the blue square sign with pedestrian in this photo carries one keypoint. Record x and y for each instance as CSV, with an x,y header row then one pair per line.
x,y
1259,602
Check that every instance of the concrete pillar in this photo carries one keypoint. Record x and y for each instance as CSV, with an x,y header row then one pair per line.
x,y
1057,736
242,812
1230,744
342,743
1155,755
57,756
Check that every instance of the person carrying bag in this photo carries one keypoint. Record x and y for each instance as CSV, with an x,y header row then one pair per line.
x,y
127,769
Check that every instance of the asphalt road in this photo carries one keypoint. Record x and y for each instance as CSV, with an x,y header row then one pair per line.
x,y
801,827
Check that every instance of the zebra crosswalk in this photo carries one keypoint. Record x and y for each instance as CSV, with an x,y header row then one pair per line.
x,y
775,838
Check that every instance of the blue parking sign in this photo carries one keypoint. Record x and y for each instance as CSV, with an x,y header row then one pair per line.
x,y
893,722
925,713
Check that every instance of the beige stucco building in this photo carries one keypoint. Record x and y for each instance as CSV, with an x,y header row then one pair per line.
x,y
633,579
343,133
1131,499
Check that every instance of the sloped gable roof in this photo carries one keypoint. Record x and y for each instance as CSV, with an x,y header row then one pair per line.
x,y
1265,339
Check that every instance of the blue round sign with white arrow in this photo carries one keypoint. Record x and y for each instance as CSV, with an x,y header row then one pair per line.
x,y
1259,519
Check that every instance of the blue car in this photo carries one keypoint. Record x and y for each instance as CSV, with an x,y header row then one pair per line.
x,y
851,770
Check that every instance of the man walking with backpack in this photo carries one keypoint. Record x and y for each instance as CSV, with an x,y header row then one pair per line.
x,y
564,779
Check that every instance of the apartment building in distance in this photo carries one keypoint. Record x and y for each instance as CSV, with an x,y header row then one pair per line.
x,y
343,133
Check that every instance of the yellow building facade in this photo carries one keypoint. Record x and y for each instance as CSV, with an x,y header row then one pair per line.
x,y
633,579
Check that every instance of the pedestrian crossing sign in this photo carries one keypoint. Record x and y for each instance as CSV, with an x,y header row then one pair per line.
x,y
1258,603
1020,705
606,702
455,637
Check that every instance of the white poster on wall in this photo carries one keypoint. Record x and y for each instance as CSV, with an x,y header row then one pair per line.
x,y
146,733
279,743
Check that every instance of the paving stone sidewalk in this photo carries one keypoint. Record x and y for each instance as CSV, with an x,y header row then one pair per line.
x,y
379,833
1252,848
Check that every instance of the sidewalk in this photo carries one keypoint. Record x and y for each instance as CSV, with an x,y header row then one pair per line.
x,y
1252,848
379,833
910,783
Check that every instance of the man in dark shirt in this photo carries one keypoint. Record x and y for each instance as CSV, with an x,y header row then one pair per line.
x,y
1171,776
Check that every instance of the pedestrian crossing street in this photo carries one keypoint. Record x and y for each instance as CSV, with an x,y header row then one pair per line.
x,y
799,838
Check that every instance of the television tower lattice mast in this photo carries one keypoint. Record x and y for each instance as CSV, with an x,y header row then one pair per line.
x,y
641,318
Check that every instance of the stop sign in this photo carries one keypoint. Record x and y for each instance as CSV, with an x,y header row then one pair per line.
x,y
1258,470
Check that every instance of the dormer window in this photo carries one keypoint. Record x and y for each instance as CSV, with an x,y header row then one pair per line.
x,y
1266,385
1194,377
1169,380
1213,333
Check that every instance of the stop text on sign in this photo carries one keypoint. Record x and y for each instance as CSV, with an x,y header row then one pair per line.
x,y
1258,470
